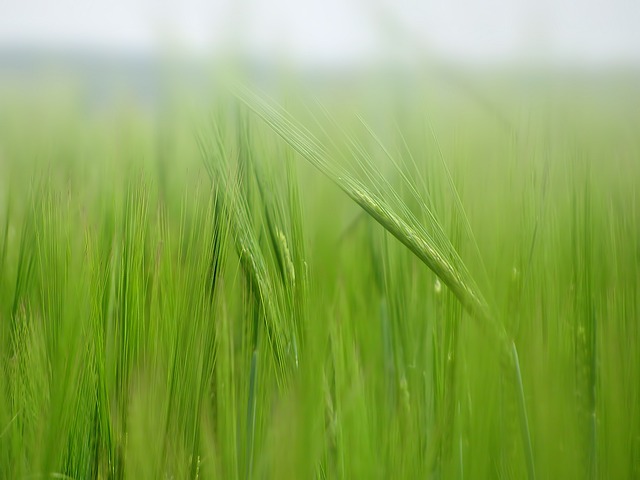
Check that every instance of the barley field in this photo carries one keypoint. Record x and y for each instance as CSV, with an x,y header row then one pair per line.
x,y
380,279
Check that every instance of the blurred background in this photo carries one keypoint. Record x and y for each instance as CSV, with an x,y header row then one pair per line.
x,y
334,33
121,43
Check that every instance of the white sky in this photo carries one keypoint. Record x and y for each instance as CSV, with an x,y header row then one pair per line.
x,y
335,31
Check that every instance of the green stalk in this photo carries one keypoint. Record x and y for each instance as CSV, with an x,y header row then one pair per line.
x,y
524,421
251,412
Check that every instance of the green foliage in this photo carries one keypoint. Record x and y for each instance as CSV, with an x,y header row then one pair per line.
x,y
189,299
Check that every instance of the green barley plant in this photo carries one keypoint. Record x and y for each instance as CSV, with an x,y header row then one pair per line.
x,y
415,239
